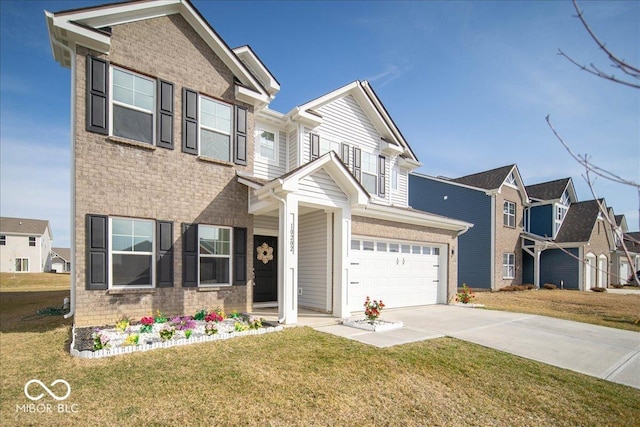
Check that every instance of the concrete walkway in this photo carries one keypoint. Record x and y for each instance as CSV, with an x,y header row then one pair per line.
x,y
606,353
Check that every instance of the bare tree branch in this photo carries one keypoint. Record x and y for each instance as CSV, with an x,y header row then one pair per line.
x,y
628,69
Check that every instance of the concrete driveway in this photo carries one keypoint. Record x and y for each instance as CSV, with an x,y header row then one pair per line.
x,y
606,353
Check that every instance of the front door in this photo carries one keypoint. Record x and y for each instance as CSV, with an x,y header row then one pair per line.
x,y
265,264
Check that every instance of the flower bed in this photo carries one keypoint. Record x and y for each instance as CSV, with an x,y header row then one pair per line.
x,y
373,325
160,332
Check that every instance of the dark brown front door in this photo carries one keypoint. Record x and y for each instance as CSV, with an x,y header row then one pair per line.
x,y
265,266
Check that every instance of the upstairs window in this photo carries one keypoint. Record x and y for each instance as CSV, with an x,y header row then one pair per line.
x,y
32,241
394,178
133,106
369,172
509,214
268,147
215,129
327,145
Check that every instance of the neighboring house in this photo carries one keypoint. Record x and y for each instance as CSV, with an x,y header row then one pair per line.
x,y
25,245
490,254
61,260
190,193
573,253
624,259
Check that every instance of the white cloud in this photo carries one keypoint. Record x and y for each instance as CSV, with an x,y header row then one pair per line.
x,y
391,73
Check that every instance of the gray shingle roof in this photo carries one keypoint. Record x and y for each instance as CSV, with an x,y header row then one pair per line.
x,y
550,190
632,241
64,253
23,225
488,180
579,222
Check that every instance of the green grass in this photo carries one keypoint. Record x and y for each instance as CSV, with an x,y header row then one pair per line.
x,y
295,377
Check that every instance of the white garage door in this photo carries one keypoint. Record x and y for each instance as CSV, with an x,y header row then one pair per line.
x,y
401,274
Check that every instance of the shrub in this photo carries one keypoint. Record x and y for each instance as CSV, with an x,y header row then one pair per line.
x,y
598,289
617,286
465,295
516,288
549,286
529,286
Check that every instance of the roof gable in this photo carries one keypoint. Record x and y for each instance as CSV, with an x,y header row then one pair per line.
x,y
85,27
23,225
579,222
62,253
487,180
370,104
552,190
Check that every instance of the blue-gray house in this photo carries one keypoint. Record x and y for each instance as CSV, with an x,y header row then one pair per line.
x,y
490,253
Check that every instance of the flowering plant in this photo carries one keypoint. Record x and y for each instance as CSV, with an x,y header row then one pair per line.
x,y
187,333
200,314
167,332
131,340
122,324
210,328
213,317
160,318
183,323
372,309
100,340
147,324
235,315
466,295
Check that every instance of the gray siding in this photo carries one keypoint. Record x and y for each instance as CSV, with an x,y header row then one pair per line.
x,y
269,170
474,246
293,148
312,260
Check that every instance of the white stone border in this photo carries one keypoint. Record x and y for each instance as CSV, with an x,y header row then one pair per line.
x,y
115,351
470,305
376,326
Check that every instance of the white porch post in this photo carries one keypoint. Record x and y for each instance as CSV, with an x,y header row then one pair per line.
x,y
288,261
342,239
536,266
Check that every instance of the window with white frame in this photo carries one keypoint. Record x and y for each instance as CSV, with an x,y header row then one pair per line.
x,y
509,214
327,145
22,264
132,252
369,172
508,266
394,178
564,200
214,255
268,148
215,129
133,106
32,241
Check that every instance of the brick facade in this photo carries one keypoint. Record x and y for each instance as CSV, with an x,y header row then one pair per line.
x,y
507,239
599,244
117,178
377,228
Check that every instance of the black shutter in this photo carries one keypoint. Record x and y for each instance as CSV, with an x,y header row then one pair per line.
x,y
97,95
164,254
165,114
189,255
357,153
240,140
345,154
382,172
240,256
314,140
97,229
189,121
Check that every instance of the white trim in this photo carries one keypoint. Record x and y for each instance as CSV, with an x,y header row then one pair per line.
x,y
112,102
112,252
215,130
229,257
259,129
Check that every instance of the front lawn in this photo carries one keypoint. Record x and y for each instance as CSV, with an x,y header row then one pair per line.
x,y
295,377
598,308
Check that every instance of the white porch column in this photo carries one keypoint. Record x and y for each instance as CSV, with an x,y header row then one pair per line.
x,y
536,266
342,239
288,261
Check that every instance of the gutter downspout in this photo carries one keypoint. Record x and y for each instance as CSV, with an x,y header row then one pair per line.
x,y
72,132
281,200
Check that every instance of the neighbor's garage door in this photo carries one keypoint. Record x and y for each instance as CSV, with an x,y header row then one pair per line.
x,y
401,274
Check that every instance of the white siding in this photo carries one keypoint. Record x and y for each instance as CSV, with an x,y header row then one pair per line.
x,y
321,186
17,246
293,149
344,121
399,196
313,260
263,168
264,222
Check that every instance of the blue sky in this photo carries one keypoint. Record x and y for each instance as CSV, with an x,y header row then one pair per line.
x,y
468,83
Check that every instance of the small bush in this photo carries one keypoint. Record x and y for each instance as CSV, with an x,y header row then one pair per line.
x,y
617,286
598,289
515,288
549,286
529,286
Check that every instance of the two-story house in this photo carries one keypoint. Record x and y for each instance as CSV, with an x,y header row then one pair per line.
x,y
489,254
565,242
625,259
189,192
25,245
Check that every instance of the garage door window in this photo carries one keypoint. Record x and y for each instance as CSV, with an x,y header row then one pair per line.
x,y
377,246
